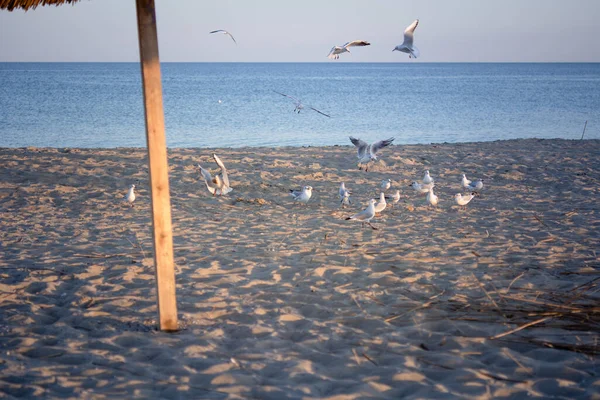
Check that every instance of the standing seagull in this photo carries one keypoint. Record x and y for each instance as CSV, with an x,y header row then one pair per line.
x,y
465,182
462,201
335,51
299,105
432,198
381,204
219,185
407,45
130,198
303,196
366,215
394,197
386,184
344,195
226,33
367,152
427,178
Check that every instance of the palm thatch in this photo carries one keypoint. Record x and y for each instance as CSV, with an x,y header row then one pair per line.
x,y
27,4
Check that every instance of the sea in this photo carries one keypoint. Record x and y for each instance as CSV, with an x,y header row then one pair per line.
x,y
100,105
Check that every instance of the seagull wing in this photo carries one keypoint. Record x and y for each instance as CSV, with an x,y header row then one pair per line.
x,y
409,33
207,179
224,176
226,33
357,43
361,146
375,147
287,95
331,52
322,113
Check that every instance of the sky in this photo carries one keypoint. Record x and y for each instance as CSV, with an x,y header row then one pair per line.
x,y
305,31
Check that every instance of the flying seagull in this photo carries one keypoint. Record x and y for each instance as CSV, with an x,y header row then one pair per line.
x,y
299,105
335,51
407,45
219,184
226,33
367,152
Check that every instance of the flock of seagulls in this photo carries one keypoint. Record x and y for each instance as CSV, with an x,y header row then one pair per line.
x,y
407,45
366,153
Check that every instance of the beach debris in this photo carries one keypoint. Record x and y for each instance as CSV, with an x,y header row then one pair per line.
x,y
366,215
303,195
381,204
335,51
130,197
464,200
299,105
427,178
422,188
368,152
386,184
344,195
432,199
407,45
225,33
219,185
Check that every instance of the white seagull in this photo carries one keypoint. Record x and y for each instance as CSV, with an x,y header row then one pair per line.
x,y
476,187
130,198
432,199
407,45
386,184
367,152
381,204
422,188
219,185
335,51
299,105
465,182
427,178
394,197
226,33
462,201
366,215
302,195
344,195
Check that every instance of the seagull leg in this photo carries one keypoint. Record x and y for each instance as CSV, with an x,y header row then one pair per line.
x,y
372,226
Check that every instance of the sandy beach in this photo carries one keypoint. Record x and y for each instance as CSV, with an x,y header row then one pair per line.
x,y
281,300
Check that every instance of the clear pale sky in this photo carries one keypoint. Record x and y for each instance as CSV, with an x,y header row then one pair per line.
x,y
305,31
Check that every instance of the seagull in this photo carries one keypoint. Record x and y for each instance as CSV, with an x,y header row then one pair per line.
x,y
366,215
432,199
299,105
464,200
130,198
422,188
427,178
344,195
465,182
475,187
226,33
394,197
380,206
302,195
367,152
386,184
219,185
335,51
407,45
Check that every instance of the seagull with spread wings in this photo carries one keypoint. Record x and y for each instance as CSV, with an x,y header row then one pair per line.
x,y
367,152
335,51
219,184
407,46
299,105
226,33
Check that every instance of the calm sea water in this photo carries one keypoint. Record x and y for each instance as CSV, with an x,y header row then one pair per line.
x,y
233,104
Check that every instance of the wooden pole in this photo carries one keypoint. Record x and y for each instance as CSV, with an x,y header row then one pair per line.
x,y
157,160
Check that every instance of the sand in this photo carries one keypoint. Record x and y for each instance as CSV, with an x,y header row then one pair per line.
x,y
280,300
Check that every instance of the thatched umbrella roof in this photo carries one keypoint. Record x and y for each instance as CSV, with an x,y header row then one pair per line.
x,y
157,153
27,4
